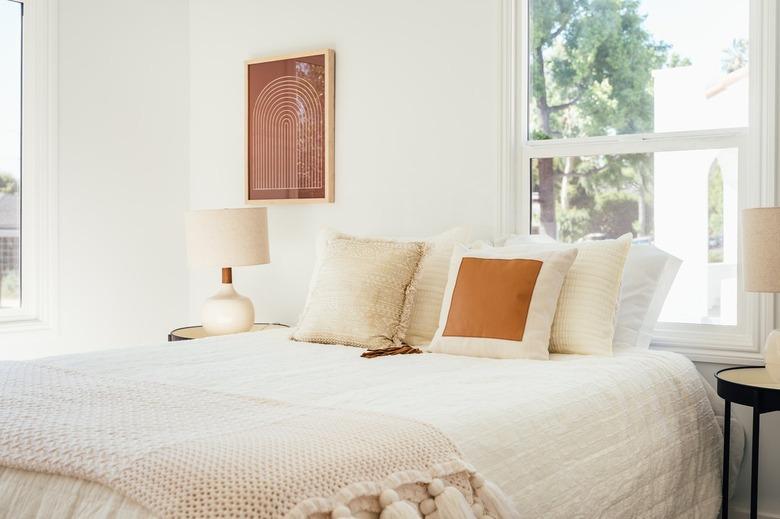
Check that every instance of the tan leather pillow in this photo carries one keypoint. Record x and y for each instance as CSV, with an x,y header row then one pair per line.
x,y
501,304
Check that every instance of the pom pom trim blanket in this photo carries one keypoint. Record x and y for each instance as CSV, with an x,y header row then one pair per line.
x,y
187,452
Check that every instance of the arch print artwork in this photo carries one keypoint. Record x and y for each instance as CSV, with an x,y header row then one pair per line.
x,y
289,128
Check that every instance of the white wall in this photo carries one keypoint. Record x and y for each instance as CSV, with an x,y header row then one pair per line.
x,y
416,124
123,184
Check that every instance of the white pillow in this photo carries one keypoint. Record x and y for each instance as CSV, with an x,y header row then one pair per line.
x,y
501,303
587,308
647,279
430,281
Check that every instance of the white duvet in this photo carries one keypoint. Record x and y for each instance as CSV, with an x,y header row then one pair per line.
x,y
633,435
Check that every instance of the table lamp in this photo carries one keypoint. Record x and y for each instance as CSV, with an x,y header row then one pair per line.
x,y
761,267
227,238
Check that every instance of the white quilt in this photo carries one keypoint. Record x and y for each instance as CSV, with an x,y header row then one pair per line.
x,y
629,436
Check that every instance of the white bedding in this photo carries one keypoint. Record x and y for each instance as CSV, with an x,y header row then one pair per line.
x,y
633,435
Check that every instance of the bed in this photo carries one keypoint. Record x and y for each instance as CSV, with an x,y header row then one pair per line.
x,y
633,435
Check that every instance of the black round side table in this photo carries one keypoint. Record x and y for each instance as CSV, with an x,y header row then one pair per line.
x,y
753,387
197,332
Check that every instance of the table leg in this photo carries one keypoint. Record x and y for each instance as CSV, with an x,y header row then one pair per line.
x,y
754,464
724,508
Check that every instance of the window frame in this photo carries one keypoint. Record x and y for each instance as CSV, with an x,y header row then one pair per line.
x,y
39,260
755,144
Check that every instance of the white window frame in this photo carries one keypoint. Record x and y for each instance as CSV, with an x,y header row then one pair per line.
x,y
756,147
39,260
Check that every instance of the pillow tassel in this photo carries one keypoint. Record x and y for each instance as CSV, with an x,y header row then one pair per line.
x,y
393,507
450,503
496,503
399,510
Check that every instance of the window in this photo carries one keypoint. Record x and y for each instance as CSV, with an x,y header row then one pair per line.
x,y
28,187
631,122
10,152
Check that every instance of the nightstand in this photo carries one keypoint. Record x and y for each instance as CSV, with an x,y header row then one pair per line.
x,y
755,388
196,332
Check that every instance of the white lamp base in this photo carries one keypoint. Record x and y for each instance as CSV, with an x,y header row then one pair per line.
x,y
227,311
772,355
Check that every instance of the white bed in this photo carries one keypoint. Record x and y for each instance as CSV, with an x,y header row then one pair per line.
x,y
633,435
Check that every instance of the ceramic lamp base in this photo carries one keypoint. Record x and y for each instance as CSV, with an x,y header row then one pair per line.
x,y
772,355
226,312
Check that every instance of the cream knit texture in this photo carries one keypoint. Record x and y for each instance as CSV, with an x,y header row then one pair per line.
x,y
361,293
185,452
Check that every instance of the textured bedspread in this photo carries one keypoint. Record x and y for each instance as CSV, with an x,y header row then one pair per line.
x,y
628,436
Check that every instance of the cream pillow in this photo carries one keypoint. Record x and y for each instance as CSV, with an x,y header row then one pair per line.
x,y
501,303
585,319
431,283
431,279
361,292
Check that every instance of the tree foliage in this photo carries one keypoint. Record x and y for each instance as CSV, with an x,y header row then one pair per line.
x,y
592,65
8,184
591,75
735,57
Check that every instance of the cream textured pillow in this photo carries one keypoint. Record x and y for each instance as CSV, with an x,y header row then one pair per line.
x,y
361,292
500,303
585,320
431,283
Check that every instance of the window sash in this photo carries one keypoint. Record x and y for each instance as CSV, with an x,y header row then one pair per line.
x,y
635,143
39,153
755,144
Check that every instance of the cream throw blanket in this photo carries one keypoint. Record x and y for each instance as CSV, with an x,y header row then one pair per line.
x,y
186,452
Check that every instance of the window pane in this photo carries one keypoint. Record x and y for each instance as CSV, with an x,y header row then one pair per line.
x,y
634,66
10,151
684,202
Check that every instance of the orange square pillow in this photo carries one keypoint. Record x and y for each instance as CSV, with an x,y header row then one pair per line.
x,y
501,304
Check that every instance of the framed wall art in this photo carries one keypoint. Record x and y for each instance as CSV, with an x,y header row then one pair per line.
x,y
289,128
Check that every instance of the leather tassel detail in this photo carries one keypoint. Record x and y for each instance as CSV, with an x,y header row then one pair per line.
x,y
395,350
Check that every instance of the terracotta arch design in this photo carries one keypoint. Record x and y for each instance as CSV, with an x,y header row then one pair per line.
x,y
288,123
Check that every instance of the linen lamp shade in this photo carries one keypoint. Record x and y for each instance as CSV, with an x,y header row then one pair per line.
x,y
227,237
761,249
761,268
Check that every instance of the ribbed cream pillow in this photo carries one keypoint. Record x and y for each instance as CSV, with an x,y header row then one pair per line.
x,y
361,292
432,281
587,307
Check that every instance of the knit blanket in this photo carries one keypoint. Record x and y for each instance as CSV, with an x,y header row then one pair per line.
x,y
188,452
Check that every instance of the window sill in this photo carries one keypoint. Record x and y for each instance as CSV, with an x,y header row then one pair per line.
x,y
712,355
21,323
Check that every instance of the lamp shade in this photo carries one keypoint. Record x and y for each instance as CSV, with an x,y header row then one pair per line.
x,y
227,237
761,249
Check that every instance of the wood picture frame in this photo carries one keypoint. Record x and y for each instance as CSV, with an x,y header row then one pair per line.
x,y
289,128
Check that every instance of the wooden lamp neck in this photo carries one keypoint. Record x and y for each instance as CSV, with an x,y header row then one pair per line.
x,y
227,275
